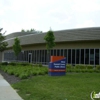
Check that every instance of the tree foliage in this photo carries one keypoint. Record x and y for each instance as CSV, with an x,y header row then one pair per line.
x,y
22,30
31,30
16,46
49,38
3,44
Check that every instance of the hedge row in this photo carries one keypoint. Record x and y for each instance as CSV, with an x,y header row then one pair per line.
x,y
24,72
15,63
83,68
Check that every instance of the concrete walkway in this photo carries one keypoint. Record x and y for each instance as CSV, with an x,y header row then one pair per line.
x,y
6,91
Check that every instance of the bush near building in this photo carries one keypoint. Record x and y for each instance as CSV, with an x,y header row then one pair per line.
x,y
83,68
24,71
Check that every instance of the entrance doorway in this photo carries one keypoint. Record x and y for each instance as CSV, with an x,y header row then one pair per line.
x,y
30,57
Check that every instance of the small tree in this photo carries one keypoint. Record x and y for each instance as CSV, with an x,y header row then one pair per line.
x,y
16,46
49,38
31,30
3,44
22,30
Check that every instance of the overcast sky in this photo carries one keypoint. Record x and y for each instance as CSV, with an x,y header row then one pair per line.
x,y
43,14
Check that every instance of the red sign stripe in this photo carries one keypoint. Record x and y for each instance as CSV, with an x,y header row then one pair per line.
x,y
56,58
57,70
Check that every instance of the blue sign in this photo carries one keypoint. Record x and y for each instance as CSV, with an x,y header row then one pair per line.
x,y
57,68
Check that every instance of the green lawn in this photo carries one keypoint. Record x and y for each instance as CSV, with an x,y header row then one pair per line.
x,y
73,86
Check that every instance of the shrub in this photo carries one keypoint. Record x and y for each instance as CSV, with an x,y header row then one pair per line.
x,y
46,71
34,73
4,63
10,72
83,70
97,71
38,65
16,74
98,67
80,66
90,70
12,63
41,73
77,70
69,70
28,73
24,64
23,76
89,66
5,70
24,71
68,66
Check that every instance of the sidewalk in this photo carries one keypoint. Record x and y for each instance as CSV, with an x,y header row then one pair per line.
x,y
6,91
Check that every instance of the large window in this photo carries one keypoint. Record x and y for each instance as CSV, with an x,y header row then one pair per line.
x,y
82,56
73,56
58,52
5,56
69,56
19,56
26,55
97,56
45,56
33,56
62,52
91,56
54,52
65,55
38,56
42,55
87,56
77,56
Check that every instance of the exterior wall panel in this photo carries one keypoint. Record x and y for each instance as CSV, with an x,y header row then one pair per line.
x,y
67,45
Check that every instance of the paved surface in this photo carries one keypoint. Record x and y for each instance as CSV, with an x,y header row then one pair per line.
x,y
6,91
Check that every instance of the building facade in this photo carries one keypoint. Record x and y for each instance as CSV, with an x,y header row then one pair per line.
x,y
79,46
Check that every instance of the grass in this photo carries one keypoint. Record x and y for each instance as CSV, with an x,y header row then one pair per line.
x,y
79,82
73,86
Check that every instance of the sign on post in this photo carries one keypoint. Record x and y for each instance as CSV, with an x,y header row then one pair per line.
x,y
57,66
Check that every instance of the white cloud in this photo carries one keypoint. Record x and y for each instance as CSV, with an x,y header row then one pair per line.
x,y
88,23
41,15
86,5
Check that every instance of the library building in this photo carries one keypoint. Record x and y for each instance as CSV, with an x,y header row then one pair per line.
x,y
79,46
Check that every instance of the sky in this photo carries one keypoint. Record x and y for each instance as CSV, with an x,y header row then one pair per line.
x,y
42,15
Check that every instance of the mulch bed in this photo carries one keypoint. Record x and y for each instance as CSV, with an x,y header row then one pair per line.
x,y
11,79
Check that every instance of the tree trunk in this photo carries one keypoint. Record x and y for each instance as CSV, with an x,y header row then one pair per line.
x,y
48,57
